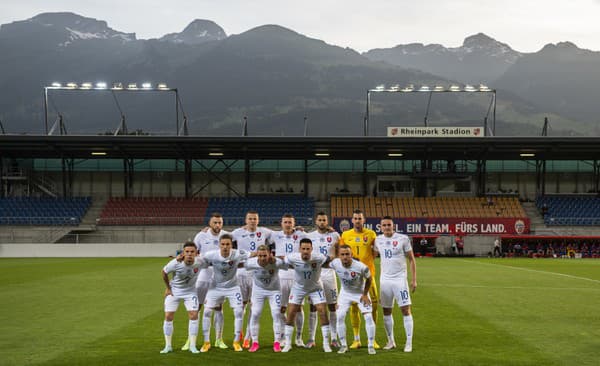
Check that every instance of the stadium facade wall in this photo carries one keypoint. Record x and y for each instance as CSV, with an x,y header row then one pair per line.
x,y
321,184
88,250
474,245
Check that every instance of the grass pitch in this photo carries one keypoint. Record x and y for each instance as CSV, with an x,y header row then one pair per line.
x,y
93,311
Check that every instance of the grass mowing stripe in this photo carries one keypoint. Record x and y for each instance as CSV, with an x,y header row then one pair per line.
x,y
534,270
22,270
543,319
109,311
448,333
59,314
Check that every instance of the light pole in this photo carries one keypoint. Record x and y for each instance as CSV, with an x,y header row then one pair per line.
x,y
431,90
115,88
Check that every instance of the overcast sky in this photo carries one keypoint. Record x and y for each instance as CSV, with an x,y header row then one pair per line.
x,y
526,25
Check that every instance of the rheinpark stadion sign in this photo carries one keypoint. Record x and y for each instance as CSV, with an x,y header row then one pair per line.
x,y
435,131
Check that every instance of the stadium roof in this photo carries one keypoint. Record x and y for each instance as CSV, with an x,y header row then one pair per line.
x,y
299,148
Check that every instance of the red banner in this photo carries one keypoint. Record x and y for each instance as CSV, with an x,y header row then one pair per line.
x,y
448,226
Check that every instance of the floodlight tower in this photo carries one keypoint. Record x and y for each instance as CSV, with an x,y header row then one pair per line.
x,y
116,88
432,90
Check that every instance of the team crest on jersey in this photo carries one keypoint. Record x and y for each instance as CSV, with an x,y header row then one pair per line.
x,y
295,237
395,243
352,274
271,271
314,265
195,270
329,239
365,238
258,234
230,263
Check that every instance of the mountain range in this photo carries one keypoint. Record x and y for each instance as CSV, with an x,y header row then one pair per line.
x,y
278,78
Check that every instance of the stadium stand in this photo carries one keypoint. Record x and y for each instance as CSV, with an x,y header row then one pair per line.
x,y
435,207
572,210
196,211
43,211
153,211
270,208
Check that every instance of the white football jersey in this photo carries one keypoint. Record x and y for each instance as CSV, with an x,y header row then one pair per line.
x,y
307,273
266,277
324,244
184,277
286,244
251,240
225,269
352,278
206,241
392,251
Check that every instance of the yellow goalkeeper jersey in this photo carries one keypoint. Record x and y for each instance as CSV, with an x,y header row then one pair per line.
x,y
362,246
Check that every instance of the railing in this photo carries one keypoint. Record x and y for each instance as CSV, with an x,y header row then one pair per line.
x,y
40,220
572,220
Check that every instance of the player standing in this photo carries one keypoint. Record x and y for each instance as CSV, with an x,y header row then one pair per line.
x,y
361,240
206,241
182,288
248,238
285,242
325,242
393,249
266,286
307,271
225,263
356,281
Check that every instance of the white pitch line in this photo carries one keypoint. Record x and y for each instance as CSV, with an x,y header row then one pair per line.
x,y
534,270
513,287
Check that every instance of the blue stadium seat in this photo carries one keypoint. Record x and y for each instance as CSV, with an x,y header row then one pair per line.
x,y
42,210
570,209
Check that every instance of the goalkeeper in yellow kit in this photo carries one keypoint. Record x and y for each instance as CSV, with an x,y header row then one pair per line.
x,y
361,240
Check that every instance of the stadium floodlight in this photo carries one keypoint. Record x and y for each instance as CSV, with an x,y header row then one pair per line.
x,y
393,155
98,153
481,88
215,154
116,87
321,154
527,155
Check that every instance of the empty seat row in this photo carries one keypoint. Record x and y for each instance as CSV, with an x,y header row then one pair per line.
x,y
153,211
43,210
439,207
572,210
